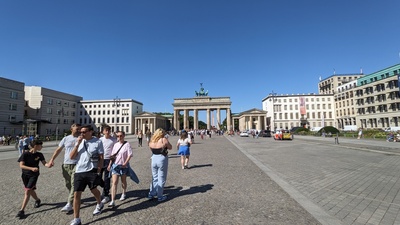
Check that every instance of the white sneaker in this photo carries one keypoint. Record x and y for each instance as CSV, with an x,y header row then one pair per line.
x,y
105,200
67,208
112,204
98,209
76,221
123,197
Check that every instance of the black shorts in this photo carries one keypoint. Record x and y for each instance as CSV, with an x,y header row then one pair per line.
x,y
90,179
29,181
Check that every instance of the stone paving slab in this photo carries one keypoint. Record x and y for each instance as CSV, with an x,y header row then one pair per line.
x,y
223,186
355,182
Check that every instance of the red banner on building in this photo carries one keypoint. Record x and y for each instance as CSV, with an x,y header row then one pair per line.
x,y
302,101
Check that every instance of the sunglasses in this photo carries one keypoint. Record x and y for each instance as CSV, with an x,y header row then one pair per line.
x,y
83,132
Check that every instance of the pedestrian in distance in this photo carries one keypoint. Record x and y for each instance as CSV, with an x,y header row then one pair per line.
x,y
21,145
140,138
108,144
148,136
29,163
159,146
183,146
68,167
119,166
360,132
88,152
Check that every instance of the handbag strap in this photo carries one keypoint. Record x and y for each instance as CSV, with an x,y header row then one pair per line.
x,y
119,149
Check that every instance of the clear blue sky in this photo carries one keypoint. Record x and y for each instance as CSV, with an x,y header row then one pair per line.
x,y
155,51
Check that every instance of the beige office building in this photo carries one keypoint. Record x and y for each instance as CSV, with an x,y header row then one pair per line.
x,y
330,84
346,113
49,112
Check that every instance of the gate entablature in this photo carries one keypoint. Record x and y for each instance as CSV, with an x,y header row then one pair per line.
x,y
201,103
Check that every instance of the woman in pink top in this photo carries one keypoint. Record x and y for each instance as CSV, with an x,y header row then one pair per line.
x,y
120,166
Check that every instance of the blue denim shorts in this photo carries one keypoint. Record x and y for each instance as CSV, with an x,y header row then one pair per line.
x,y
118,170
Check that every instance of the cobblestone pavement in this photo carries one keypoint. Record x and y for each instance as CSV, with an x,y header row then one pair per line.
x,y
354,182
223,186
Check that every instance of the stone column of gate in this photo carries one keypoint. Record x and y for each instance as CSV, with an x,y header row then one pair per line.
x,y
228,118
208,119
195,119
176,120
219,118
185,117
259,123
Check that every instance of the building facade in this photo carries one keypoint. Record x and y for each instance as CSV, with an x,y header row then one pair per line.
x,y
12,103
377,99
149,121
49,112
117,113
346,113
253,119
201,103
312,111
330,84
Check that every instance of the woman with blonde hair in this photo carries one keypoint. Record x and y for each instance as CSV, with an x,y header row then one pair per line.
x,y
159,146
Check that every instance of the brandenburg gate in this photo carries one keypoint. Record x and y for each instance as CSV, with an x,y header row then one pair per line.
x,y
199,103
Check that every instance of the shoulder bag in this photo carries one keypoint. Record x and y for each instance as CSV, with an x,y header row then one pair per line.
x,y
114,156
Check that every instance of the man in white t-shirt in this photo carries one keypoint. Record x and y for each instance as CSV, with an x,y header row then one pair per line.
x,y
68,166
108,144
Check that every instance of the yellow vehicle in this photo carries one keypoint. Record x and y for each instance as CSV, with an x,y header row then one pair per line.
x,y
283,135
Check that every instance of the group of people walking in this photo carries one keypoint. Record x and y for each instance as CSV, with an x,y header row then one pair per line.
x,y
91,162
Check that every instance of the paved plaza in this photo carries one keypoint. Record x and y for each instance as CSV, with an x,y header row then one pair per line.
x,y
233,180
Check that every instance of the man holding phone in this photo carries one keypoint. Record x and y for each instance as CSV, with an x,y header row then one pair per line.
x,y
88,152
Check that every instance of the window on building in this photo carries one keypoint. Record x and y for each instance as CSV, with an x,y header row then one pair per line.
x,y
49,110
14,95
12,106
50,101
58,102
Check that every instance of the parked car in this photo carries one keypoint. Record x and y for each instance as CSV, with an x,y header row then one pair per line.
x,y
244,134
283,135
265,133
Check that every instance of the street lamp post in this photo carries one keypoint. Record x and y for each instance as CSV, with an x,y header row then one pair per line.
x,y
117,102
273,94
